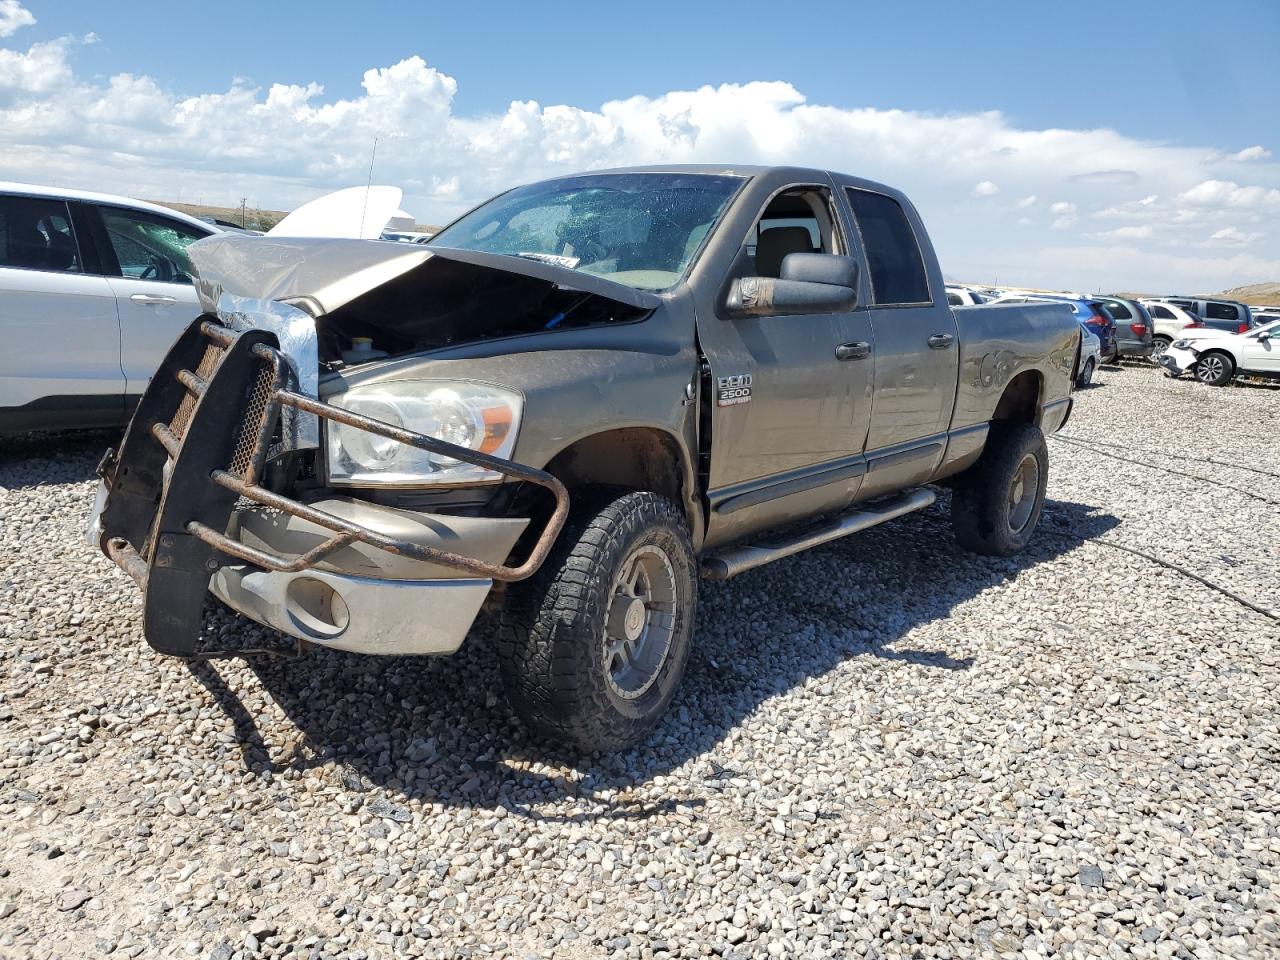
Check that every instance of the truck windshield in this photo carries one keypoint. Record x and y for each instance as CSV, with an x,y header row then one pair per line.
x,y
640,229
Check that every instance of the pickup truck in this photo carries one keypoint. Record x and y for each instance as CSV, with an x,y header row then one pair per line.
x,y
575,402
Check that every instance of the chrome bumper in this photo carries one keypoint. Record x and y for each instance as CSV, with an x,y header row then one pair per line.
x,y
405,617
360,598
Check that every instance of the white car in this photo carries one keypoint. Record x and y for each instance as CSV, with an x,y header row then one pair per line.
x,y
1215,356
93,290
1168,320
958,296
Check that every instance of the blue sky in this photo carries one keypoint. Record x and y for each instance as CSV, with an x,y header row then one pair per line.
x,y
1121,144
1187,71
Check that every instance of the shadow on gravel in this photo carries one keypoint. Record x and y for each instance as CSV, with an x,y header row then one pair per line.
x,y
438,729
31,459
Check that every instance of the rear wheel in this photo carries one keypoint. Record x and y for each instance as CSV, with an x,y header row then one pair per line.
x,y
593,646
1158,346
1085,377
1214,369
997,502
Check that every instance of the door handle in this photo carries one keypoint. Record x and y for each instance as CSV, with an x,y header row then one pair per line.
x,y
148,298
940,341
853,351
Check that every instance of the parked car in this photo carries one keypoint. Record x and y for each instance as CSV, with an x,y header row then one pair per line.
x,y
958,296
93,290
675,370
1218,314
1215,356
1090,356
1168,320
1134,330
1092,313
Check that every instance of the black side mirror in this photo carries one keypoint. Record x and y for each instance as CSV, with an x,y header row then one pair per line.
x,y
809,283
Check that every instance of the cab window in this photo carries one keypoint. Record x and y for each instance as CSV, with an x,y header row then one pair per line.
x,y
150,247
36,234
798,220
893,253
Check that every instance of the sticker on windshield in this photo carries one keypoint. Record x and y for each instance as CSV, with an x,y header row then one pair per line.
x,y
552,258
733,390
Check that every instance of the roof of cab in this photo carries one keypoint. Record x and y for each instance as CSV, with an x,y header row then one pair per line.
x,y
66,193
800,174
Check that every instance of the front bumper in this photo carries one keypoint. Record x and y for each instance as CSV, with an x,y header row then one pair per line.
x,y
407,617
1177,361
185,501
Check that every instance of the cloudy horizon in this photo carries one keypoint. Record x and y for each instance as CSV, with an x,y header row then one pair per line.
x,y
1065,208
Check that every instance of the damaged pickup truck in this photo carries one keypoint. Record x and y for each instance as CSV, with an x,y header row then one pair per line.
x,y
574,402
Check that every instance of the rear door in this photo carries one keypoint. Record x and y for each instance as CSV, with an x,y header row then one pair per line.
x,y
58,319
915,343
151,277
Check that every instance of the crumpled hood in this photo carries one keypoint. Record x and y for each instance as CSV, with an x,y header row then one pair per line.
x,y
330,273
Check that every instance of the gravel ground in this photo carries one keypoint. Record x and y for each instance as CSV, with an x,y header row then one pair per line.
x,y
884,747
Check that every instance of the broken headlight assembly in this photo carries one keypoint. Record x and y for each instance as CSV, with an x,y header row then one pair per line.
x,y
477,416
1180,344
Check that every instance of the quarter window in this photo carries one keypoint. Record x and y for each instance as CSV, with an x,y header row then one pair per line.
x,y
893,254
1160,313
1220,311
36,234
149,247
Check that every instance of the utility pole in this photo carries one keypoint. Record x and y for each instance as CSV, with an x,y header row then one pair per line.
x,y
243,201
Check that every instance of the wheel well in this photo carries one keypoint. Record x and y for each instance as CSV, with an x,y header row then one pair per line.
x,y
636,458
1020,402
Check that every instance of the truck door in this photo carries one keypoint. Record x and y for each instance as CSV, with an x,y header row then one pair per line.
x,y
915,348
788,408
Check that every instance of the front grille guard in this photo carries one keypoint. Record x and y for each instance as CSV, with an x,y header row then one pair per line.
x,y
181,521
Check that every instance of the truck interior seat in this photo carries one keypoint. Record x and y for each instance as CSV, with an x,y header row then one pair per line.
x,y
775,243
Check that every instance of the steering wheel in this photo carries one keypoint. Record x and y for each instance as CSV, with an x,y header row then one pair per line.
x,y
151,271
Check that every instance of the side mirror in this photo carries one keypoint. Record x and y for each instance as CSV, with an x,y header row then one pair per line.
x,y
1264,336
809,283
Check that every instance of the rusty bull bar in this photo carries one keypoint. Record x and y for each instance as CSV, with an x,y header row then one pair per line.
x,y
180,471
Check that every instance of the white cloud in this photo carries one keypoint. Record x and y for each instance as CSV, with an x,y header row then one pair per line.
x,y
1233,237
1225,193
1256,152
13,17
1064,213
1143,232
282,144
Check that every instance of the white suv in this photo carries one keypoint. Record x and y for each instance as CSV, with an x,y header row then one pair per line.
x,y
93,290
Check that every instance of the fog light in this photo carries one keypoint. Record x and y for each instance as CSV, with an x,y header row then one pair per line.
x,y
315,607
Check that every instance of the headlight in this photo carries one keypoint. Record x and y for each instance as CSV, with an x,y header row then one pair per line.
x,y
1181,344
473,415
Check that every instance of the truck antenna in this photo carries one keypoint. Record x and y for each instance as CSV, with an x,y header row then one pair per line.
x,y
368,185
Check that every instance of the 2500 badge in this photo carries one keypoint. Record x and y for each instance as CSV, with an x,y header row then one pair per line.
x,y
731,390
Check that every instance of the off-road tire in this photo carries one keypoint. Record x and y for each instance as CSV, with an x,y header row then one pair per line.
x,y
551,634
1222,375
980,507
1085,377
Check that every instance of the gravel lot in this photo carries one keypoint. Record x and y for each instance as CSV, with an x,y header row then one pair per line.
x,y
884,747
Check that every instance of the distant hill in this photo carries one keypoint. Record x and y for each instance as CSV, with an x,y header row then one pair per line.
x,y
1268,293
253,219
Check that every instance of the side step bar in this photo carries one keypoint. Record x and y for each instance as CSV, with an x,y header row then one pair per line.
x,y
723,564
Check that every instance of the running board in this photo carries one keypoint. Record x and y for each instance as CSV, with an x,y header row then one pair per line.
x,y
723,564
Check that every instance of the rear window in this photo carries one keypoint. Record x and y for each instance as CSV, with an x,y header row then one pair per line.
x,y
893,254
1160,313
35,234
1220,311
1118,309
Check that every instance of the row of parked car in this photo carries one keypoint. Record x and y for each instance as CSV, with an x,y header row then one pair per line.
x,y
1212,339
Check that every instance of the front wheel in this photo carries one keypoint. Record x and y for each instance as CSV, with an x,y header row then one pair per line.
x,y
1086,374
997,502
593,646
1214,369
